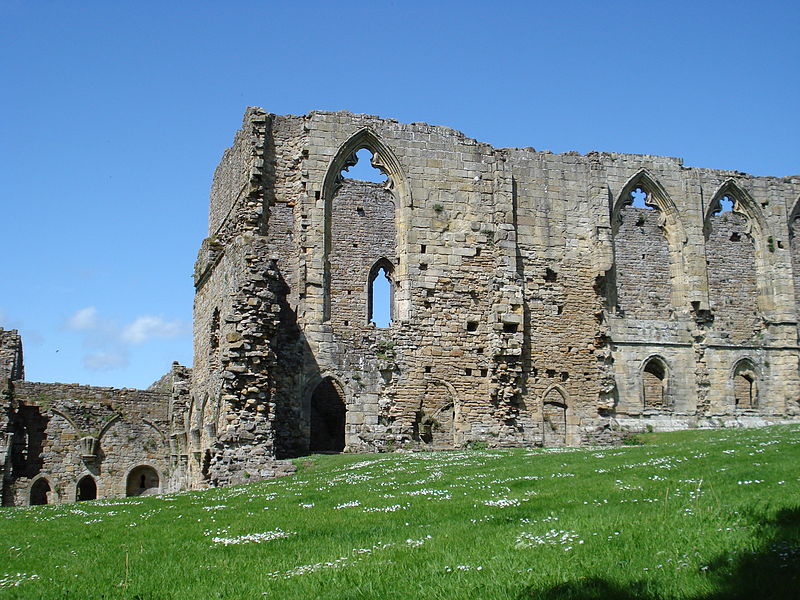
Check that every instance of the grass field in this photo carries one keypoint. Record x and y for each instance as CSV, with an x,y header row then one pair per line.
x,y
695,514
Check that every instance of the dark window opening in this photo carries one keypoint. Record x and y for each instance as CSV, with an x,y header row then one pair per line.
x,y
550,276
40,492
423,249
509,327
423,266
328,414
427,369
468,371
214,342
472,326
87,489
484,372
206,468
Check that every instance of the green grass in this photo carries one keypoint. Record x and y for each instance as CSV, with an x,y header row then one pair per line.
x,y
699,514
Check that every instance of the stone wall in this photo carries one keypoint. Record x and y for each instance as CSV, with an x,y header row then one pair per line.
x,y
529,296
64,432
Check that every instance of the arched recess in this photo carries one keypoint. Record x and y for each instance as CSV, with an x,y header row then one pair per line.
x,y
630,275
655,383
387,267
794,245
738,258
437,418
745,377
86,489
327,416
386,161
40,491
554,416
142,480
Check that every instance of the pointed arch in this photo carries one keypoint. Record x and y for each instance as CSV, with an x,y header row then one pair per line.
x,y
743,204
108,425
757,229
386,265
670,224
656,197
554,392
68,419
438,415
385,160
555,407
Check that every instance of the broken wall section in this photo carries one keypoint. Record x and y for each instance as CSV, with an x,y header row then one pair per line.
x,y
64,432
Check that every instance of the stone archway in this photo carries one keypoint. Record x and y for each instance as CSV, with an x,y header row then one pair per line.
x,y
142,481
554,418
327,418
40,492
86,489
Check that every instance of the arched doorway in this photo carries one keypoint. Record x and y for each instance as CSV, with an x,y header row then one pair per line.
x,y
435,420
142,480
40,491
87,489
327,418
654,384
554,418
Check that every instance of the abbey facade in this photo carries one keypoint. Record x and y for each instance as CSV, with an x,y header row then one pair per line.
x,y
535,299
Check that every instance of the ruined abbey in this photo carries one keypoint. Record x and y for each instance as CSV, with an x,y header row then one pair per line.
x,y
535,299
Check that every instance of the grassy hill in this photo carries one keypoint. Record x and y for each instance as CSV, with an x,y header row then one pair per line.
x,y
695,514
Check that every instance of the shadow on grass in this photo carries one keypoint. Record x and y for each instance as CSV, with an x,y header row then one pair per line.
x,y
772,572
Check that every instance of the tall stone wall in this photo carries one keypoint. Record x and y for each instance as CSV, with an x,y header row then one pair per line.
x,y
532,304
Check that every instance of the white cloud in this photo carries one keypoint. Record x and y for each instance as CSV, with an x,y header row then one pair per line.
x,y
105,361
107,343
84,320
147,327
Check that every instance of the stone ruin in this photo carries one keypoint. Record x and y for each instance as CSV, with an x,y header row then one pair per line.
x,y
535,299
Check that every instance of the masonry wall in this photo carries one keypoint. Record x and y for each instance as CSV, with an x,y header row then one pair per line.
x,y
528,295
63,432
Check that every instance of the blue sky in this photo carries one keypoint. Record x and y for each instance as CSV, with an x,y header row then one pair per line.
x,y
114,115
